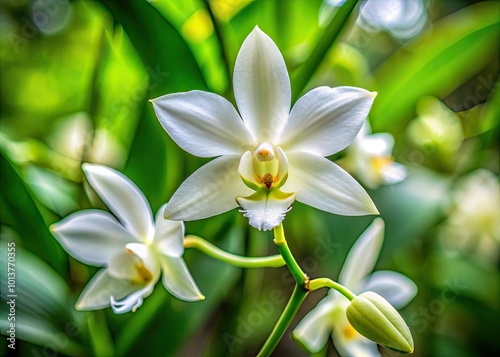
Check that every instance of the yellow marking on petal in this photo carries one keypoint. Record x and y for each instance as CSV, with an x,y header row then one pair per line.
x,y
143,275
350,332
380,162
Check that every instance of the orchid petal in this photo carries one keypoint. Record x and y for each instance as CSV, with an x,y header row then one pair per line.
x,y
313,331
362,257
131,302
123,198
97,294
324,185
393,173
178,280
92,236
396,288
247,172
203,124
169,235
283,167
358,346
209,191
261,86
326,120
380,144
266,209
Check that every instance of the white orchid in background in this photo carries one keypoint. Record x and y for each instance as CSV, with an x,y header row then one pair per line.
x,y
402,19
369,158
132,248
269,156
473,223
329,318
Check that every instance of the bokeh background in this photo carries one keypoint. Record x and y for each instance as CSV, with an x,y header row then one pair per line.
x,y
76,77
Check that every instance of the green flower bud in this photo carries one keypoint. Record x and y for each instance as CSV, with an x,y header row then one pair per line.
x,y
375,318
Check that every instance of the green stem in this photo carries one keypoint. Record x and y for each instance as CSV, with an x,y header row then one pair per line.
x,y
319,283
211,250
299,293
331,33
282,246
298,296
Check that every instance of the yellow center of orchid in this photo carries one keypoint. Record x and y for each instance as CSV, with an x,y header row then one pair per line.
x,y
266,165
142,274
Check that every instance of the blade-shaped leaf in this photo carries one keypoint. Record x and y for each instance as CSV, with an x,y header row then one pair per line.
x,y
437,63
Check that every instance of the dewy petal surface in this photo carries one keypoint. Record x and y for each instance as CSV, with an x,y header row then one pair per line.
x,y
326,120
203,124
363,255
92,236
262,86
209,191
123,198
396,288
178,280
315,329
169,235
324,185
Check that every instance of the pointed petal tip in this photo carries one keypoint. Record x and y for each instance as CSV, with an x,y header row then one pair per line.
x,y
373,94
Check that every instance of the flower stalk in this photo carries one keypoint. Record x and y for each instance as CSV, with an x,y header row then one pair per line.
x,y
299,293
328,283
209,249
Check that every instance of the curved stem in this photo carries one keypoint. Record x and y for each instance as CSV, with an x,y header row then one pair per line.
x,y
319,283
298,296
211,250
282,246
299,293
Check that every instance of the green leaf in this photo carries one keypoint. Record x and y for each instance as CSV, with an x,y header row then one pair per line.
x,y
42,313
330,35
171,67
20,212
455,49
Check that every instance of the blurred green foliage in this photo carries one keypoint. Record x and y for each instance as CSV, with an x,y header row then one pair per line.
x,y
75,82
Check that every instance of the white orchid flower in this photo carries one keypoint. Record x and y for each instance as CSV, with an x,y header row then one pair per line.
x,y
369,158
402,19
132,248
278,153
473,223
329,318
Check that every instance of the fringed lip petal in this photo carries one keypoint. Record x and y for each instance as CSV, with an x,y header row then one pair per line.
x,y
266,209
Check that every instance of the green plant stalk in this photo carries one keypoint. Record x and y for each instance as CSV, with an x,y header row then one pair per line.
x,y
331,33
299,294
211,250
282,246
328,283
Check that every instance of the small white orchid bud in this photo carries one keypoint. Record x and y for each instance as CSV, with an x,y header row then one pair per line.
x,y
375,318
